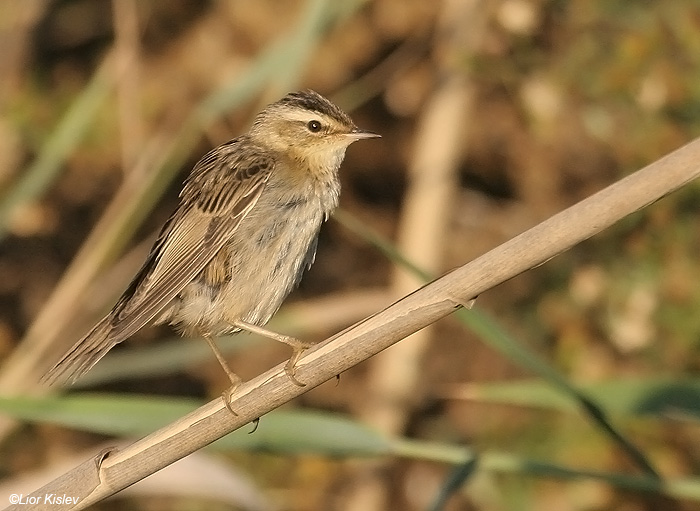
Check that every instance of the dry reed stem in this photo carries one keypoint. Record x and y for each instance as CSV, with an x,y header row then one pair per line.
x,y
111,471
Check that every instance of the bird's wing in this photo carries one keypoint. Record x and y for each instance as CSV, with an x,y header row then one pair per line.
x,y
222,188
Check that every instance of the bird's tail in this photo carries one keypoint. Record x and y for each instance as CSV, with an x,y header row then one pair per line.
x,y
83,355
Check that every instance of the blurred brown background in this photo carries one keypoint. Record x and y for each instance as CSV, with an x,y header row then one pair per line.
x,y
494,114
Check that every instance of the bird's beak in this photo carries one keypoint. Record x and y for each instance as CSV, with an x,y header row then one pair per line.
x,y
358,134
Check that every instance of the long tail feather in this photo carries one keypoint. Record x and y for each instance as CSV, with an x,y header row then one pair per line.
x,y
83,355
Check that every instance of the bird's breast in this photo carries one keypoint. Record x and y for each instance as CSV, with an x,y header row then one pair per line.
x,y
261,264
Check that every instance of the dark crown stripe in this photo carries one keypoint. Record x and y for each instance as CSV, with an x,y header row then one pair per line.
x,y
311,100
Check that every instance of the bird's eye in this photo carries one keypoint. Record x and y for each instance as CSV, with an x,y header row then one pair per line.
x,y
314,126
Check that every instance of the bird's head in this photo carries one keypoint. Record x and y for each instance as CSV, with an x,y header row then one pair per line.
x,y
307,127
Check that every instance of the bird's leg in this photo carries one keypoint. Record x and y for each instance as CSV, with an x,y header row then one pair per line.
x,y
235,379
297,346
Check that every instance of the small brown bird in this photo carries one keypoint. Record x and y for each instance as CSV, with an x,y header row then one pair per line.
x,y
243,233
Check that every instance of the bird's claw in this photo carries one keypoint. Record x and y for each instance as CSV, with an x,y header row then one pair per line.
x,y
290,368
227,397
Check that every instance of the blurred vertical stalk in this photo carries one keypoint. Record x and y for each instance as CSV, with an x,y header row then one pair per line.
x,y
126,29
18,21
395,374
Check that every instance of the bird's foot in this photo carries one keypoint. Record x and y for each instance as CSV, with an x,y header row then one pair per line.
x,y
298,348
227,395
